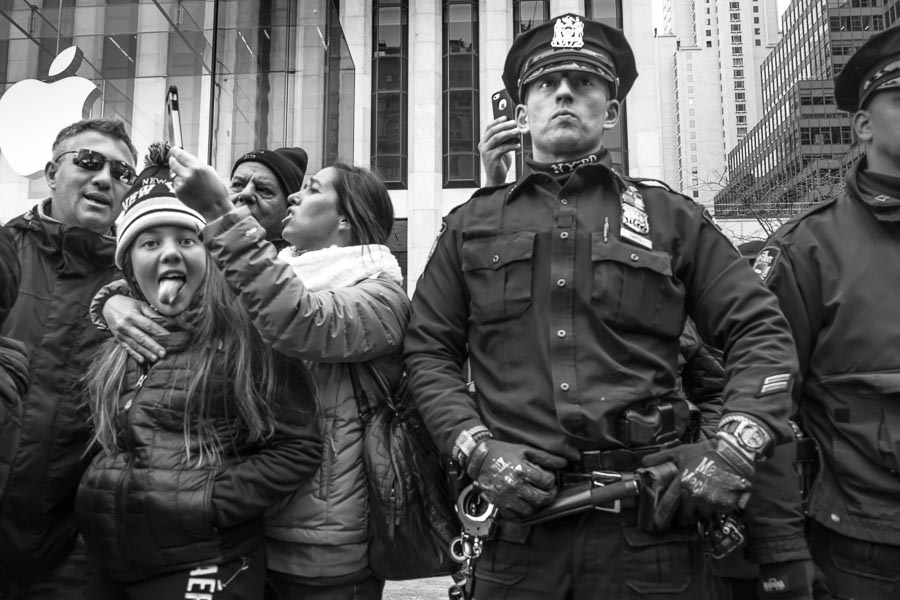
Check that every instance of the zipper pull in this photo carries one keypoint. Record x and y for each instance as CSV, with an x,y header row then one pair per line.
x,y
605,230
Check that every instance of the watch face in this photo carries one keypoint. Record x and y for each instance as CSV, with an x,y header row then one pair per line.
x,y
752,437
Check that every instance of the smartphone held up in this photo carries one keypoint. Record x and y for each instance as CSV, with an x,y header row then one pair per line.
x,y
173,118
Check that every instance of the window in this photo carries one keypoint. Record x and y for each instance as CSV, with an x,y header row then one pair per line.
x,y
738,73
708,44
390,91
735,39
604,11
529,13
460,94
740,108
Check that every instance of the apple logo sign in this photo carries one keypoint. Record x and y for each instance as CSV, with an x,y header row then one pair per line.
x,y
32,112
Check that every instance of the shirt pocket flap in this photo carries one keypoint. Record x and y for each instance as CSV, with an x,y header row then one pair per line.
x,y
634,257
496,252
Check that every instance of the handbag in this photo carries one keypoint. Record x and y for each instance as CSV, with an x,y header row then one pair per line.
x,y
411,517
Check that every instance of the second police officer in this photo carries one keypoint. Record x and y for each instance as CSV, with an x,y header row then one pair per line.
x,y
834,269
567,292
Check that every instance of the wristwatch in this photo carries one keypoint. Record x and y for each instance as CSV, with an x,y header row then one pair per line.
x,y
466,442
752,437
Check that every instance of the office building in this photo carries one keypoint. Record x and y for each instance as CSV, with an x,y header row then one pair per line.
x,y
797,154
719,46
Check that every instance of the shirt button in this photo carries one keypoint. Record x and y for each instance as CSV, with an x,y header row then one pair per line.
x,y
564,387
561,333
495,258
564,201
561,282
635,257
835,518
564,235
128,404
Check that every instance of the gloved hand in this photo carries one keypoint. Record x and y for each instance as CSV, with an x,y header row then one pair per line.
x,y
791,580
514,477
714,479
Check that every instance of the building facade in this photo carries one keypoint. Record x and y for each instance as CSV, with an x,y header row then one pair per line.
x,y
719,46
398,85
796,155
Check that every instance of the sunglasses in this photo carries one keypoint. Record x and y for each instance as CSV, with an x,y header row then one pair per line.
x,y
94,161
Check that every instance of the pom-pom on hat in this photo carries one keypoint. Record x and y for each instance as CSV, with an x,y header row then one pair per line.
x,y
288,165
151,202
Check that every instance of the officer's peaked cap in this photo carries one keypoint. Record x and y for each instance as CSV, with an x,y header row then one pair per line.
x,y
570,43
874,67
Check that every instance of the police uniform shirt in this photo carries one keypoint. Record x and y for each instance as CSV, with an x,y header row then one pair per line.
x,y
569,312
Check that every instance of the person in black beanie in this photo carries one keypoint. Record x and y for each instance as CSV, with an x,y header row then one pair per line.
x,y
262,180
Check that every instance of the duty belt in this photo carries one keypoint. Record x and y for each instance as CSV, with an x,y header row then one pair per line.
x,y
620,459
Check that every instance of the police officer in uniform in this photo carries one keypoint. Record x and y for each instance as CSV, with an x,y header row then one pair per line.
x,y
567,292
835,271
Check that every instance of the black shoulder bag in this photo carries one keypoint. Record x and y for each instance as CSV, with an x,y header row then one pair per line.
x,y
411,512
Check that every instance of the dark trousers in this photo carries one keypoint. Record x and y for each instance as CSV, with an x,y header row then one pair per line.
x,y
593,555
281,586
67,580
240,579
855,569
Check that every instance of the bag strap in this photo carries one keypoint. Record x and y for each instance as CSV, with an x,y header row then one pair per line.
x,y
395,400
362,399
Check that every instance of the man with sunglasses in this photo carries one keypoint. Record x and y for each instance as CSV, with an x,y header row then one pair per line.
x,y
66,248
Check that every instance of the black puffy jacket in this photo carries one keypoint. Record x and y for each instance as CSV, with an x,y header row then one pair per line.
x,y
150,509
62,269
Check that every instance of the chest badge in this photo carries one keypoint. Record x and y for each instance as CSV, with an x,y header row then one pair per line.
x,y
635,219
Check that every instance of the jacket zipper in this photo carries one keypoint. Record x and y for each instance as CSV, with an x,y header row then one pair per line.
x,y
122,484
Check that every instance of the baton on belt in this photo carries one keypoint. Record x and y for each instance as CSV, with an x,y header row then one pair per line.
x,y
604,489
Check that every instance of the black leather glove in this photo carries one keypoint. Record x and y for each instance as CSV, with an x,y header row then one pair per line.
x,y
714,478
791,580
514,477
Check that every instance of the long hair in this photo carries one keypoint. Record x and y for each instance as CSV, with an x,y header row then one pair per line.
x,y
364,200
226,354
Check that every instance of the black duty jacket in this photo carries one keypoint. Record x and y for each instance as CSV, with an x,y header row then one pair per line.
x,y
835,271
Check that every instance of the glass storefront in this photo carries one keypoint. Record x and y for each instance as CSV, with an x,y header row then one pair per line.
x,y
250,73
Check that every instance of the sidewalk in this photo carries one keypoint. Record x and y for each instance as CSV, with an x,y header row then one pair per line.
x,y
418,589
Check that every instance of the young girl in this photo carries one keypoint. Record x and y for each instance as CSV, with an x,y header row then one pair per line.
x,y
333,298
195,448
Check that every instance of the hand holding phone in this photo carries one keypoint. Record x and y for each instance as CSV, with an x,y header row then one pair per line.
x,y
502,105
173,118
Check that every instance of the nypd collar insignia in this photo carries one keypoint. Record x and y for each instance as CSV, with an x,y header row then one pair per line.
x,y
567,167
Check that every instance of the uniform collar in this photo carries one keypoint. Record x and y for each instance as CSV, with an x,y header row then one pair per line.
x,y
565,168
560,173
880,192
